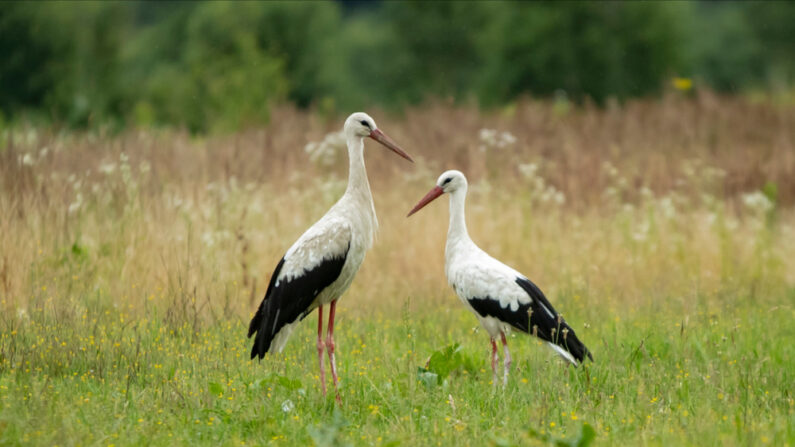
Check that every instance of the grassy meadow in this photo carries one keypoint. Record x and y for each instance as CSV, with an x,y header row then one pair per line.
x,y
663,230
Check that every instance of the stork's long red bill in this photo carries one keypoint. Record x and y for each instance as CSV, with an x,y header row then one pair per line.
x,y
430,197
381,137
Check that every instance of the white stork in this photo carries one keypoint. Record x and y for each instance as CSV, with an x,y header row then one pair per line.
x,y
500,297
321,264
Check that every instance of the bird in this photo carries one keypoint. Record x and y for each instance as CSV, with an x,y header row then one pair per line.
x,y
320,266
500,297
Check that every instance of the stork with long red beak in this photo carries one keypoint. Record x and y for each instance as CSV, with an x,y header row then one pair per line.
x,y
499,296
320,266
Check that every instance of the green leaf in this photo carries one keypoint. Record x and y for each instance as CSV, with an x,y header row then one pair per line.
x,y
428,378
277,379
770,190
290,384
330,433
215,388
445,361
587,435
78,250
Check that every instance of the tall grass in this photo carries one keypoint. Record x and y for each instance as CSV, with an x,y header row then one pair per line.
x,y
663,230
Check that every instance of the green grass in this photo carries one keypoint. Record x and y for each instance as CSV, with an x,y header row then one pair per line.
x,y
725,377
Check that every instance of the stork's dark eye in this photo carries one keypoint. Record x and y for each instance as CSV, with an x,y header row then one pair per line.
x,y
365,124
447,180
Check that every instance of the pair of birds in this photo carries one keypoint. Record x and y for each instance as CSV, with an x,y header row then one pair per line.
x,y
321,264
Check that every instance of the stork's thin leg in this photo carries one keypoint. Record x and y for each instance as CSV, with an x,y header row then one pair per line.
x,y
506,360
494,361
320,346
330,347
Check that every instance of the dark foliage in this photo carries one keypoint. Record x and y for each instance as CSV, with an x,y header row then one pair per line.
x,y
217,66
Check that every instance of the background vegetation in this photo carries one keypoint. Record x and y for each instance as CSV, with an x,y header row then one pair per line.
x,y
220,66
662,229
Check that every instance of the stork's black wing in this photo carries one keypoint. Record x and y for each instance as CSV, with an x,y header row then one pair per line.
x,y
546,324
290,296
491,307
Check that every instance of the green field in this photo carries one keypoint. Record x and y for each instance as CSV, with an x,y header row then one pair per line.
x,y
131,264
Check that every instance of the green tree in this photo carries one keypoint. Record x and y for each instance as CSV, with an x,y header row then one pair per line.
x,y
24,77
63,58
584,48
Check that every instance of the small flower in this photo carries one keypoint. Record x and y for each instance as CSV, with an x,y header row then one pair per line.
x,y
107,168
682,84
757,202
528,170
325,152
491,138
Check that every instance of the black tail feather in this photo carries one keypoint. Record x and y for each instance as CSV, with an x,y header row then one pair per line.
x,y
568,340
552,328
290,300
261,324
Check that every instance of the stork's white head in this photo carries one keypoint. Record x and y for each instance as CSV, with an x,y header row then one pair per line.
x,y
361,125
449,182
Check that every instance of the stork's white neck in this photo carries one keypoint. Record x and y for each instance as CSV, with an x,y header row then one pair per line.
x,y
457,231
358,189
357,174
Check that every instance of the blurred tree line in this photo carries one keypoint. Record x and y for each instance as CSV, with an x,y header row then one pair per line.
x,y
215,66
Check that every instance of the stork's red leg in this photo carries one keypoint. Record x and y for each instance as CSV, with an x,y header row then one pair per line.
x,y
494,360
320,346
506,360
330,347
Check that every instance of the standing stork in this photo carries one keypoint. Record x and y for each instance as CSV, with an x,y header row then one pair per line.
x,y
498,295
321,264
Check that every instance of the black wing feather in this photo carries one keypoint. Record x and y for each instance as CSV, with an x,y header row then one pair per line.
x,y
290,300
490,307
552,329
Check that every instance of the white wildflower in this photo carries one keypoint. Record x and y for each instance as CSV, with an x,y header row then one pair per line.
x,y
75,206
27,160
609,169
107,168
711,219
642,232
488,136
491,138
757,202
325,152
528,170
667,207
